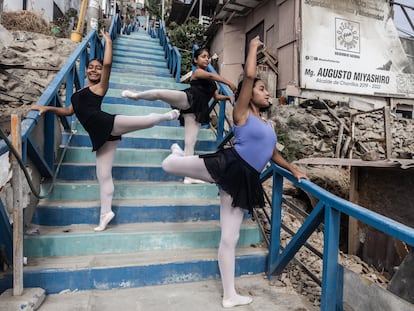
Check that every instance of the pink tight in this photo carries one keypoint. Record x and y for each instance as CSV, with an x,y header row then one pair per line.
x,y
231,219
106,153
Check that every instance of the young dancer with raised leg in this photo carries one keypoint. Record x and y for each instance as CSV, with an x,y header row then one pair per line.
x,y
193,102
104,129
236,170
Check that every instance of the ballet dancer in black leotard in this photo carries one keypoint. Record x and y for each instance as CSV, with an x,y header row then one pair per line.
x,y
192,101
104,129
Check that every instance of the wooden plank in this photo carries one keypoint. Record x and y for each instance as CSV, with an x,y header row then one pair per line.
x,y
339,141
388,135
17,208
353,227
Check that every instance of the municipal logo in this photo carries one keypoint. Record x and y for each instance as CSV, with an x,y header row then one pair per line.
x,y
347,35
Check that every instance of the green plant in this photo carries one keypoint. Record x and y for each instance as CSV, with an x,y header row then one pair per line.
x,y
184,37
60,26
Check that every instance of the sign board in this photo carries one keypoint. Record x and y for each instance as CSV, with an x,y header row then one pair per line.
x,y
352,46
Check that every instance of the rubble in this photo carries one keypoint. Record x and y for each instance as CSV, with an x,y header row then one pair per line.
x,y
29,63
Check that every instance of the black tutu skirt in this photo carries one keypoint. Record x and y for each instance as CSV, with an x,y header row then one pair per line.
x,y
235,176
99,127
198,106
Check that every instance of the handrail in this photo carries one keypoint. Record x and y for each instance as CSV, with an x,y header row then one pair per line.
x,y
72,77
328,210
171,53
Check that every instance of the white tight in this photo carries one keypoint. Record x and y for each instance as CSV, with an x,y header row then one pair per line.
x,y
177,99
106,153
230,217
191,129
174,98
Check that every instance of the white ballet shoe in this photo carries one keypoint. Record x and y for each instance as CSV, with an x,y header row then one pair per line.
x,y
189,180
175,148
129,94
237,301
104,221
172,115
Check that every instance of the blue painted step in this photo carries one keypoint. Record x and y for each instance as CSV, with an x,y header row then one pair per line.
x,y
117,271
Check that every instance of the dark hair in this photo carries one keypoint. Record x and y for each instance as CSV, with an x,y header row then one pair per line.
x,y
239,86
97,59
198,52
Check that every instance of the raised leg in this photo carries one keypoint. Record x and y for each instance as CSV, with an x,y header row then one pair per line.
x,y
125,124
175,98
179,164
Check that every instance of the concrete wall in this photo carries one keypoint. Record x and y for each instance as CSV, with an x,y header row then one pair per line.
x,y
279,19
361,295
386,191
43,7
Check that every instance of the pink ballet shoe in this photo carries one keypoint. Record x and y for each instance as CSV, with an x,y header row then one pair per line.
x,y
104,221
237,301
175,148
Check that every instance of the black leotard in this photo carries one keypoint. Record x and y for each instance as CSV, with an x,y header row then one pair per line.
x,y
199,95
98,123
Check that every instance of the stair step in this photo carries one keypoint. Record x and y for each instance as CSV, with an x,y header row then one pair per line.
x,y
157,132
123,156
89,190
135,269
80,239
63,213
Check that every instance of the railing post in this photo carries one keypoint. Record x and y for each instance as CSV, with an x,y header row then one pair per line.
x,y
275,222
17,208
222,114
330,260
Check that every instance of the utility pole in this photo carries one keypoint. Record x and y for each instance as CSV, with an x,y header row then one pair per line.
x,y
1,9
93,15
162,11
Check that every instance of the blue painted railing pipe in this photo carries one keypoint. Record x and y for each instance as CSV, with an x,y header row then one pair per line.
x,y
328,210
171,53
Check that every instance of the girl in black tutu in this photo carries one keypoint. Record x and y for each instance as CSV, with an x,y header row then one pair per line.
x,y
193,101
104,129
236,170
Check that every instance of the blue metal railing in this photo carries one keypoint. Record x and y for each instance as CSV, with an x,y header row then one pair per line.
x,y
171,53
328,210
72,78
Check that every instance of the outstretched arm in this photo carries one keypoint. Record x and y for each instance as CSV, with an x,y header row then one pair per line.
x,y
218,96
241,110
60,111
278,159
203,74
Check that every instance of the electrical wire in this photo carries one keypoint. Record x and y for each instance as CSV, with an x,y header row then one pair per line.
x,y
16,154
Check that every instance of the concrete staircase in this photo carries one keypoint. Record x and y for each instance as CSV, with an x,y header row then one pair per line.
x,y
164,231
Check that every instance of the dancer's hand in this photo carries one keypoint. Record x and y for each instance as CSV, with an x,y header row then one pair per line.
x,y
255,42
233,87
40,108
106,36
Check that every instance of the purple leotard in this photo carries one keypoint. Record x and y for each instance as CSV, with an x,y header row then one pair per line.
x,y
255,141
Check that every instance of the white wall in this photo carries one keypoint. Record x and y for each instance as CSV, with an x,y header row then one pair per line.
x,y
44,7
